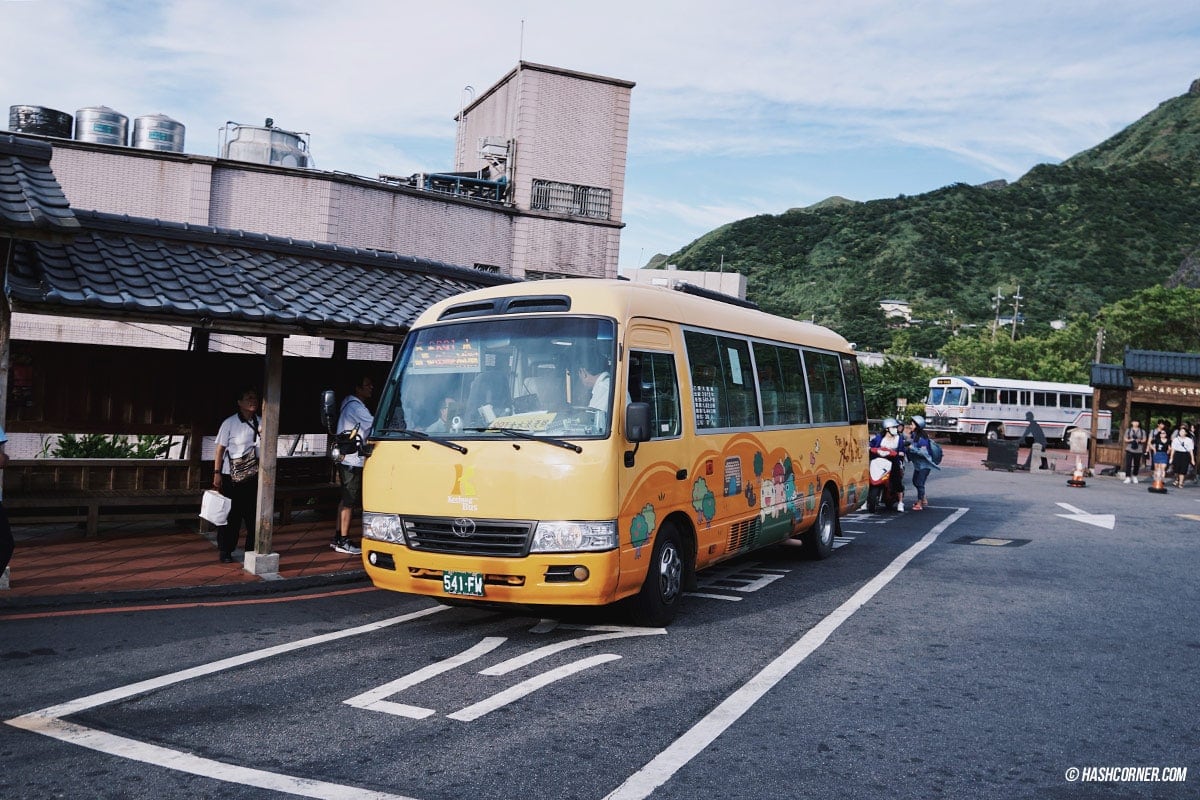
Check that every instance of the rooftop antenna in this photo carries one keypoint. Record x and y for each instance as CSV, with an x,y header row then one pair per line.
x,y
468,97
521,44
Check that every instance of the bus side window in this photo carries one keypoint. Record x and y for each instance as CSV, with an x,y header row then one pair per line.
x,y
652,380
825,386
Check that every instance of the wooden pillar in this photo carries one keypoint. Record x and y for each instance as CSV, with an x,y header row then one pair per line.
x,y
269,438
1095,426
199,365
6,251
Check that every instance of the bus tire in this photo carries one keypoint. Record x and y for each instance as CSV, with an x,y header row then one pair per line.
x,y
818,540
657,601
995,431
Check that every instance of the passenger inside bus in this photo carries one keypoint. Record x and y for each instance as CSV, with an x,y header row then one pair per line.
x,y
489,397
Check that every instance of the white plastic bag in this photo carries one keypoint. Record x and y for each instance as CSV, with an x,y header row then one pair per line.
x,y
214,507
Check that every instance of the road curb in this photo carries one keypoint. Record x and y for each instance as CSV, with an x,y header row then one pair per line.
x,y
100,599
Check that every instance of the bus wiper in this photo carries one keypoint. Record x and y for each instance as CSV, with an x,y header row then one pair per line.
x,y
523,435
425,437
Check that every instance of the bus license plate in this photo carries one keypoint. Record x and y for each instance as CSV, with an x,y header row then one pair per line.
x,y
465,583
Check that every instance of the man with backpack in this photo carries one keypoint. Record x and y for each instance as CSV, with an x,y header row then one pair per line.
x,y
924,453
1135,448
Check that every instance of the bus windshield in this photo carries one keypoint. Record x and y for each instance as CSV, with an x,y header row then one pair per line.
x,y
544,376
955,396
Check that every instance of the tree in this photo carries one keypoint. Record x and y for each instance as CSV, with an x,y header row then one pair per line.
x,y
862,321
894,378
1153,319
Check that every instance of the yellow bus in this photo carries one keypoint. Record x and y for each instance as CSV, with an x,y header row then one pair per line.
x,y
583,442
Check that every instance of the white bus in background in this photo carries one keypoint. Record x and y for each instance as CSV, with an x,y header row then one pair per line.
x,y
995,408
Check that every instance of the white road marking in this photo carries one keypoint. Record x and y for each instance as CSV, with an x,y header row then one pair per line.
x,y
713,596
180,761
1079,515
526,687
374,699
662,767
504,667
48,723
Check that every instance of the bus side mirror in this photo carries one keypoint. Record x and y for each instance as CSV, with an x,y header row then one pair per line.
x,y
329,411
637,422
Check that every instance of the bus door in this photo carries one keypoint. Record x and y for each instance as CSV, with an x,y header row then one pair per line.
x,y
658,482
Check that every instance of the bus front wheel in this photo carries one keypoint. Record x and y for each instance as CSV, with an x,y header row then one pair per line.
x,y
658,600
995,432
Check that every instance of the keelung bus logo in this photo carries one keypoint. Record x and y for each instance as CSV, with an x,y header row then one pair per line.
x,y
463,493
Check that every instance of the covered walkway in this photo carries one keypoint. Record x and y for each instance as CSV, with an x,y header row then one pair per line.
x,y
82,266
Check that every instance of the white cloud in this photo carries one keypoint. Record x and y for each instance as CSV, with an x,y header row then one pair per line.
x,y
988,88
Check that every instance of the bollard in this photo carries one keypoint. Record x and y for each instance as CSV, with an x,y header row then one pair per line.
x,y
1160,474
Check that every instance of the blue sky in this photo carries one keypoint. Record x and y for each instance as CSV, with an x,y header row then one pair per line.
x,y
740,108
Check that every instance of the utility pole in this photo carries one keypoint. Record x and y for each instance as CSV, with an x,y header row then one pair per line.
x,y
996,308
1017,298
1099,343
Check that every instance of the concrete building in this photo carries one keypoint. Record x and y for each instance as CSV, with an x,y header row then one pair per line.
x,y
730,283
536,189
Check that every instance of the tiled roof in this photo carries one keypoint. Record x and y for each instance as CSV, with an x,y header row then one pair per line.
x,y
32,204
1167,365
1109,376
120,267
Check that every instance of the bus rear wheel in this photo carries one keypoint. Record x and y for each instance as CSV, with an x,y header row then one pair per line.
x,y
818,540
656,604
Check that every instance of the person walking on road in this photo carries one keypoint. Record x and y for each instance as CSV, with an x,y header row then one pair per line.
x,y
1135,448
1183,454
1160,453
920,454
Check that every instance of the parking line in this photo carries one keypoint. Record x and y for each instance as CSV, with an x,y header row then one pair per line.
x,y
662,767
48,722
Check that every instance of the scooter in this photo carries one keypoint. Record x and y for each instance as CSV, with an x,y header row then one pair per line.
x,y
880,491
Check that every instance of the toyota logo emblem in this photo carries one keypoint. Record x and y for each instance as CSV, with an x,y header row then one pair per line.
x,y
463,527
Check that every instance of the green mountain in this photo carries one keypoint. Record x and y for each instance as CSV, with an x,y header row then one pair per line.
x,y
1109,221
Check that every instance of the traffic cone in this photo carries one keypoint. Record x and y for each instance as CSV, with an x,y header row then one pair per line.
x,y
1157,486
1077,477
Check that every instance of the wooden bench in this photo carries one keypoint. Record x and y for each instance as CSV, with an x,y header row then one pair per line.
x,y
304,482
90,491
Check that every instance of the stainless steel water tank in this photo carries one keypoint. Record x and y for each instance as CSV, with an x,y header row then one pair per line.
x,y
266,145
40,120
102,125
158,132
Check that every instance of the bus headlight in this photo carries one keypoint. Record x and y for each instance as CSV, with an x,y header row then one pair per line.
x,y
573,537
382,527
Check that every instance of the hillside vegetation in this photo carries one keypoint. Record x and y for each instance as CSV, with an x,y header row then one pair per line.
x,y
1105,224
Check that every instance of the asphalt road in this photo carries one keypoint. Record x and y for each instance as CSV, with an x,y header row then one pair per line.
x,y
999,645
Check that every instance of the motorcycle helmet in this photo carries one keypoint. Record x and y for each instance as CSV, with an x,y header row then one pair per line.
x,y
919,421
891,425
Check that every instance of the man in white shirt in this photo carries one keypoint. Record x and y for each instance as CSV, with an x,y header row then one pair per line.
x,y
235,473
354,417
594,374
